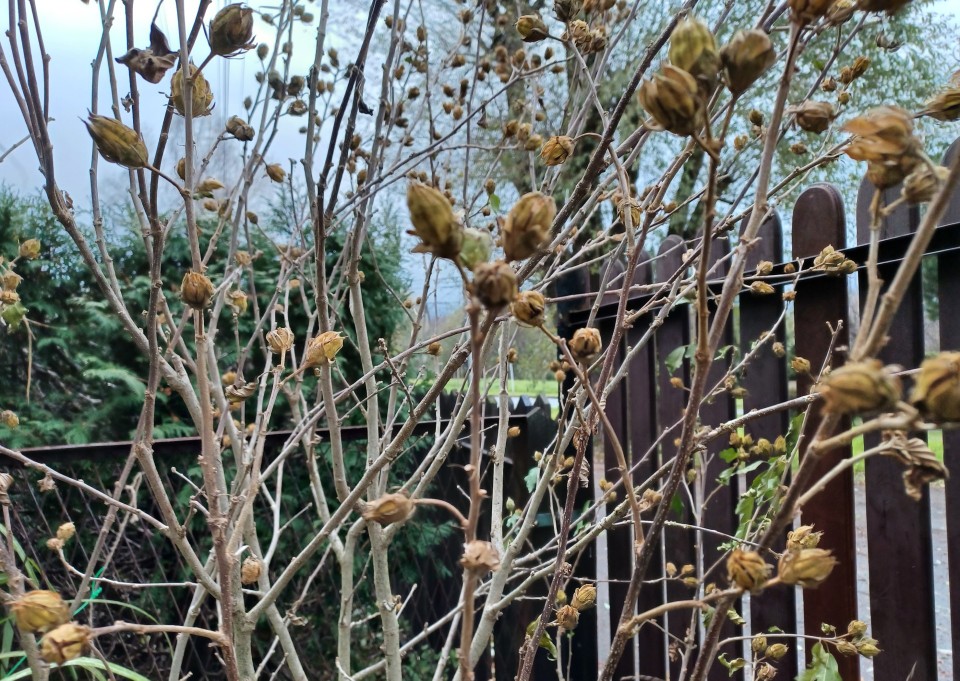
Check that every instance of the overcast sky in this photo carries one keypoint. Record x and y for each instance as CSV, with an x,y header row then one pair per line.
x,y
72,31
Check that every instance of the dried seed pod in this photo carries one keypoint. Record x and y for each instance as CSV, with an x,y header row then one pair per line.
x,y
923,182
152,62
526,228
389,509
807,568
868,647
777,651
207,186
747,569
568,617
280,340
889,6
116,142
531,28
66,642
66,531
276,172
556,150
860,387
201,96
672,97
803,538
584,597
433,222
694,49
528,308
434,348
885,140
237,394
250,570
745,58
833,262
196,290
585,344
39,611
480,557
841,11
231,31
814,116
759,644
945,105
566,10
323,349
494,284
936,392
11,280
240,129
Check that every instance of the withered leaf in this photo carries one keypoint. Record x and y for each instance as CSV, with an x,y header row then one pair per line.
x,y
153,62
240,393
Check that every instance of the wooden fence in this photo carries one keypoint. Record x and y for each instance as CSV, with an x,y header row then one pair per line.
x,y
646,409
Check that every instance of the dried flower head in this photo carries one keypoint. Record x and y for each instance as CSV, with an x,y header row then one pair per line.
x,y
152,62
39,611
565,10
196,290
923,182
568,617
585,344
747,569
803,538
66,531
833,262
556,150
276,172
936,392
116,142
922,465
526,228
528,308
531,28
11,280
807,568
806,11
480,557
814,116
280,340
889,6
694,49
945,105
672,97
250,570
433,222
66,642
860,388
240,129
201,96
585,597
746,57
388,509
885,140
777,651
231,31
323,348
494,284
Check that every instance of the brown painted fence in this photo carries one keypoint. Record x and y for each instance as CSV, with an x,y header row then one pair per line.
x,y
645,406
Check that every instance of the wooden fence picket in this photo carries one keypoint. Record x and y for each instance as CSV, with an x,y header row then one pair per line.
x,y
818,221
898,528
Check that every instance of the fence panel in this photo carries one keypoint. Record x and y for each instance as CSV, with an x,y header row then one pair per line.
x,y
765,381
948,291
898,528
818,221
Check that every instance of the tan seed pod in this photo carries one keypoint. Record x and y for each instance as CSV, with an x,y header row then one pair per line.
x,y
116,142
276,172
673,98
859,388
39,611
250,570
66,531
201,96
746,57
433,221
480,557
747,569
585,344
568,617
803,538
807,568
389,509
11,280
556,150
196,290
231,31
584,597
434,348
528,308
280,340
814,116
694,49
323,348
527,226
531,28
936,392
494,284
66,642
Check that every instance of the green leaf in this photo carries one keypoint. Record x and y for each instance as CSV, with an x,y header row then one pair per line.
x,y
531,478
675,358
494,203
823,666
89,664
732,666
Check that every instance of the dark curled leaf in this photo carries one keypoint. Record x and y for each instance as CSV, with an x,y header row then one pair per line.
x,y
153,62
